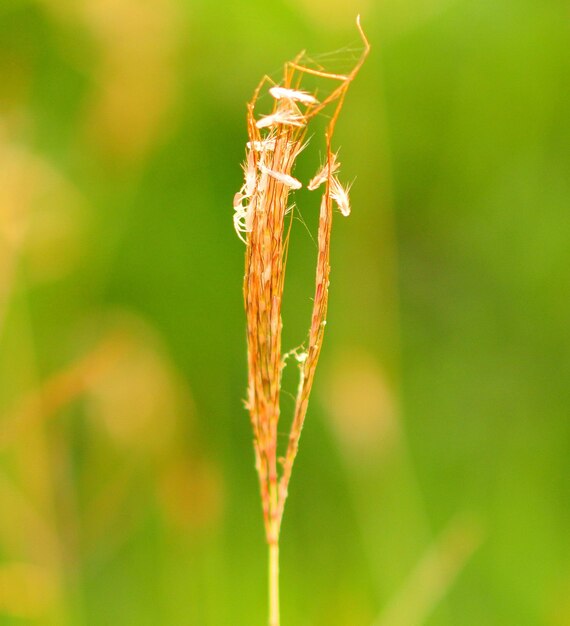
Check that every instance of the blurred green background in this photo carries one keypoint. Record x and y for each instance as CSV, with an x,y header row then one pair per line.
x,y
432,485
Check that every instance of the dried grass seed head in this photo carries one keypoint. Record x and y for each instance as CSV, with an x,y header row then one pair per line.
x,y
275,140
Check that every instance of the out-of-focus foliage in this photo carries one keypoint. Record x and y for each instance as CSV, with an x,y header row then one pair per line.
x,y
432,485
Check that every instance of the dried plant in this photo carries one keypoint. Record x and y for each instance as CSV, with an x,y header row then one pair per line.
x,y
263,219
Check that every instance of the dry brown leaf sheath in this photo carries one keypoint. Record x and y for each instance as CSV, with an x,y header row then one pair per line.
x,y
262,221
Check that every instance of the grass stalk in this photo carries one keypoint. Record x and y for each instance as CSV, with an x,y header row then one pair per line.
x,y
274,583
263,219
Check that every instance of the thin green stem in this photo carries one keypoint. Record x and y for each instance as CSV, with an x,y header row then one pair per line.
x,y
274,583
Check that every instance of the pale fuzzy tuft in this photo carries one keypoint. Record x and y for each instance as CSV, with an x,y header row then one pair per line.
x,y
292,94
340,195
283,117
281,177
265,145
323,174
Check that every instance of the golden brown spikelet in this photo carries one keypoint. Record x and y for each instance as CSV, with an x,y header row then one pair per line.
x,y
261,221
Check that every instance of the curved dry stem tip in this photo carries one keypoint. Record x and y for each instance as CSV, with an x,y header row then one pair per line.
x,y
361,30
363,36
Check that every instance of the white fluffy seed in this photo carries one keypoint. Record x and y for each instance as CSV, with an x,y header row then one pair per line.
x,y
281,177
292,94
